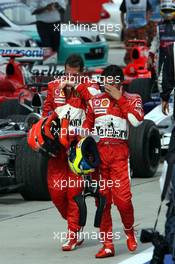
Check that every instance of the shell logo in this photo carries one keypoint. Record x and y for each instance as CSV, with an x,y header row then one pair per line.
x,y
62,93
105,103
57,91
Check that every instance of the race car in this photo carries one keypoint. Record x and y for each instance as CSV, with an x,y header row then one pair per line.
x,y
138,65
15,75
140,77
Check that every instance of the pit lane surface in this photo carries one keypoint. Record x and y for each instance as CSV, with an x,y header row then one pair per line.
x,y
29,230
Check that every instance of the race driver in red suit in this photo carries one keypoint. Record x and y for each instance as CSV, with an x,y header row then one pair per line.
x,y
63,97
108,115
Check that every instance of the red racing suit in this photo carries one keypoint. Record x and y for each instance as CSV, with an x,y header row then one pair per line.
x,y
109,118
59,174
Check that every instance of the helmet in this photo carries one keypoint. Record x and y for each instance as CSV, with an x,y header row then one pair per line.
x,y
167,8
39,142
83,156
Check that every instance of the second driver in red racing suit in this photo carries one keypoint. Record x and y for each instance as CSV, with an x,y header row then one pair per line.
x,y
63,100
108,116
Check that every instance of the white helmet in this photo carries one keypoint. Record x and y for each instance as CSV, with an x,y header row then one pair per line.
x,y
167,8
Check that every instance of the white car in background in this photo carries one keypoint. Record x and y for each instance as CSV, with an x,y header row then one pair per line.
x,y
10,40
111,20
15,39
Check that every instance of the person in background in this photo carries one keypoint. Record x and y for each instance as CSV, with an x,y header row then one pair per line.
x,y
48,14
136,21
163,45
155,18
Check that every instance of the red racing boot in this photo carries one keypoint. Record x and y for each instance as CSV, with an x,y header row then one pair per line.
x,y
106,251
72,241
131,239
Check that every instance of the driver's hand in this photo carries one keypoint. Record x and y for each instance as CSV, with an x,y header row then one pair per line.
x,y
165,107
65,83
113,91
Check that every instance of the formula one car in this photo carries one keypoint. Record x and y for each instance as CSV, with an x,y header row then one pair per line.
x,y
139,76
138,65
15,75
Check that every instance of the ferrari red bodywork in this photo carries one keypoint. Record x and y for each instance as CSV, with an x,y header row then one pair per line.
x,y
138,66
12,82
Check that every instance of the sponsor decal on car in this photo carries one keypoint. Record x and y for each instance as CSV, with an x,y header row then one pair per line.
x,y
47,70
27,54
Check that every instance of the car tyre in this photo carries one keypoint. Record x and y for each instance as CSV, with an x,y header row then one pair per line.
x,y
31,171
145,149
12,107
143,87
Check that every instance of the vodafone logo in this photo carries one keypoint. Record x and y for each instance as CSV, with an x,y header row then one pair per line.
x,y
96,102
62,93
57,91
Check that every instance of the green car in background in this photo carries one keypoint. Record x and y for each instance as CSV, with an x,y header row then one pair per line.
x,y
92,46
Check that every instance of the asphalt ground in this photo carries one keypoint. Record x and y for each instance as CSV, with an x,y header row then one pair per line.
x,y
116,53
30,231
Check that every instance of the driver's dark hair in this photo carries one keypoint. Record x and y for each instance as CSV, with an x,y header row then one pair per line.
x,y
113,71
75,61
